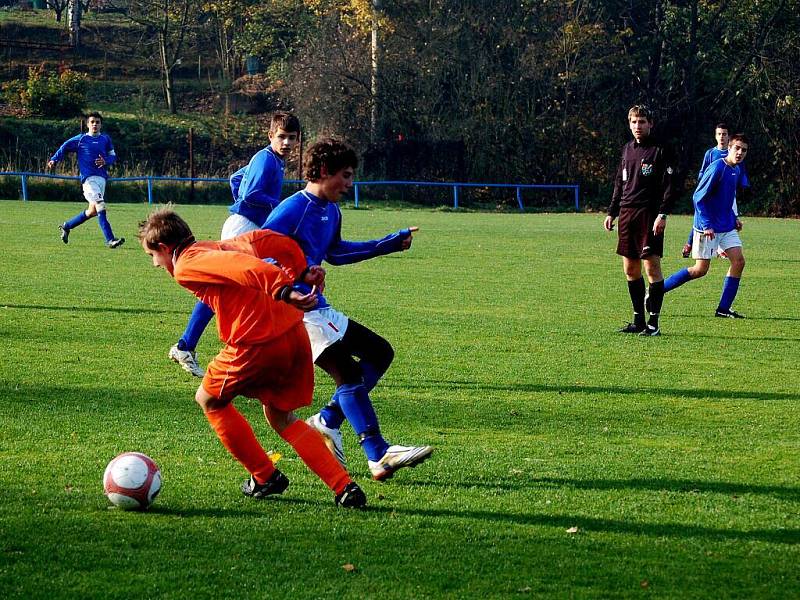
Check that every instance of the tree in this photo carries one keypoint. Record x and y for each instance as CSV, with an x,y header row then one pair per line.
x,y
58,6
167,24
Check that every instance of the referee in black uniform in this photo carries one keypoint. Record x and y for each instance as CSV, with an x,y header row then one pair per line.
x,y
644,191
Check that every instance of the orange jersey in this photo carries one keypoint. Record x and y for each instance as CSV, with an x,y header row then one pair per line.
x,y
264,243
240,288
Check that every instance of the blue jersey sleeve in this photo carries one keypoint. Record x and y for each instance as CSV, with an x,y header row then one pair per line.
x,y
707,160
71,145
343,252
110,154
259,185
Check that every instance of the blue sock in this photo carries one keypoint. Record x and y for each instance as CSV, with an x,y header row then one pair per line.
x,y
332,414
78,219
201,317
105,226
729,289
357,407
677,279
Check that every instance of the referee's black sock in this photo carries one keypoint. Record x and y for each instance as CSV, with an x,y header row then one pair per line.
x,y
636,290
655,300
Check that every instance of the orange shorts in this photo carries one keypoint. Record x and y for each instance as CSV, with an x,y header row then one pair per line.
x,y
279,373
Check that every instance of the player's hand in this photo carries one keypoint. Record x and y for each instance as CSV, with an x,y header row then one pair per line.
x,y
50,164
709,233
659,225
738,225
407,242
99,161
315,276
304,302
609,223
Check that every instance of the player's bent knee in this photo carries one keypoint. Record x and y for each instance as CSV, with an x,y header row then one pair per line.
x,y
208,402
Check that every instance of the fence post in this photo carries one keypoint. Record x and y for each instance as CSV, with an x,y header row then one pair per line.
x,y
24,188
519,199
455,196
149,190
355,187
577,198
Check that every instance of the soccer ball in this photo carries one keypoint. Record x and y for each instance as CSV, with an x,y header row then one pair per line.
x,y
132,481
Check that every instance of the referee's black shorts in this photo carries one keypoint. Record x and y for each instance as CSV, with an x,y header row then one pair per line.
x,y
636,237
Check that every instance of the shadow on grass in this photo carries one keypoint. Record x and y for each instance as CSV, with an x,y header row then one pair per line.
x,y
521,483
94,309
584,524
590,389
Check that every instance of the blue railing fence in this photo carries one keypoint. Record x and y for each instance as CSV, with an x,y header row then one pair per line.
x,y
357,185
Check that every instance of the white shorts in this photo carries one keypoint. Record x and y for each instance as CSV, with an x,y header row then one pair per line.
x,y
94,189
325,327
237,225
704,248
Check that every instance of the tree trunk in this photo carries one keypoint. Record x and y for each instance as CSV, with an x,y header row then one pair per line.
x,y
74,12
166,73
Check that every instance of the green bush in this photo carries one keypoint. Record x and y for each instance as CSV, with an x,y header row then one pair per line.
x,y
48,94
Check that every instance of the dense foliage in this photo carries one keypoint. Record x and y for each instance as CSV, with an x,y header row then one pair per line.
x,y
529,91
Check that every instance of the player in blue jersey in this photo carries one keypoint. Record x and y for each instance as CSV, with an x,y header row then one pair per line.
x,y
95,154
716,226
256,190
353,355
712,154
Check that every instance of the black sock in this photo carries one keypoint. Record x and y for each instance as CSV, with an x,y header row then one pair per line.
x,y
655,300
636,290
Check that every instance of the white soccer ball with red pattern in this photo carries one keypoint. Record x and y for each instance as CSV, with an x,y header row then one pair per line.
x,y
132,481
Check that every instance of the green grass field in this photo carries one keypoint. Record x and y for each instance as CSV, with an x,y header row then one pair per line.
x,y
571,461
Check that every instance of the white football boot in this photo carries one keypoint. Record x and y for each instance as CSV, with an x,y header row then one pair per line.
x,y
397,457
187,360
332,438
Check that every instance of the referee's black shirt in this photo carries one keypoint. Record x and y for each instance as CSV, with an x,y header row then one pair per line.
x,y
646,177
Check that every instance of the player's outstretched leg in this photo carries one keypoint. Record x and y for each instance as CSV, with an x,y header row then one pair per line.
x,y
184,352
636,290
311,449
74,222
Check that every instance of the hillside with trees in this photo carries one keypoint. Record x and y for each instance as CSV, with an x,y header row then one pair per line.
x,y
530,91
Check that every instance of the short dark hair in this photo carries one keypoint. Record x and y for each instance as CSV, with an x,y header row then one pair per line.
x,y
284,120
163,226
740,137
94,114
722,125
640,110
330,153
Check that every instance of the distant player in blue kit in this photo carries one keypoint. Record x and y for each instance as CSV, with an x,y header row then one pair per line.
x,y
256,190
712,154
95,154
312,218
716,226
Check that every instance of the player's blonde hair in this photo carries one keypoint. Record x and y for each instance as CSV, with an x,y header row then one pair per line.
x,y
640,110
163,226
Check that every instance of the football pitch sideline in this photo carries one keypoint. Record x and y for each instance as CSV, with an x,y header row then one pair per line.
x,y
570,461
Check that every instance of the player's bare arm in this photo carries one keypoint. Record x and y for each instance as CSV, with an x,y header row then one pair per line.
x,y
660,224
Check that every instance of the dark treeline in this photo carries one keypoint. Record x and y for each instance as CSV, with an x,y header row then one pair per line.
x,y
529,91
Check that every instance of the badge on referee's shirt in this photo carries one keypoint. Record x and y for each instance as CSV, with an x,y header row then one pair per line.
x,y
647,169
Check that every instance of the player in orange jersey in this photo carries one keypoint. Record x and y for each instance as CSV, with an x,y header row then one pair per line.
x,y
267,354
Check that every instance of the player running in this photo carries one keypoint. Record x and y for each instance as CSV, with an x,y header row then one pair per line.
x,y
716,226
312,217
267,354
95,154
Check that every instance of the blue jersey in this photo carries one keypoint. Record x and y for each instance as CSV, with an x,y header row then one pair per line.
x,y
715,153
87,148
316,225
236,181
260,188
714,197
